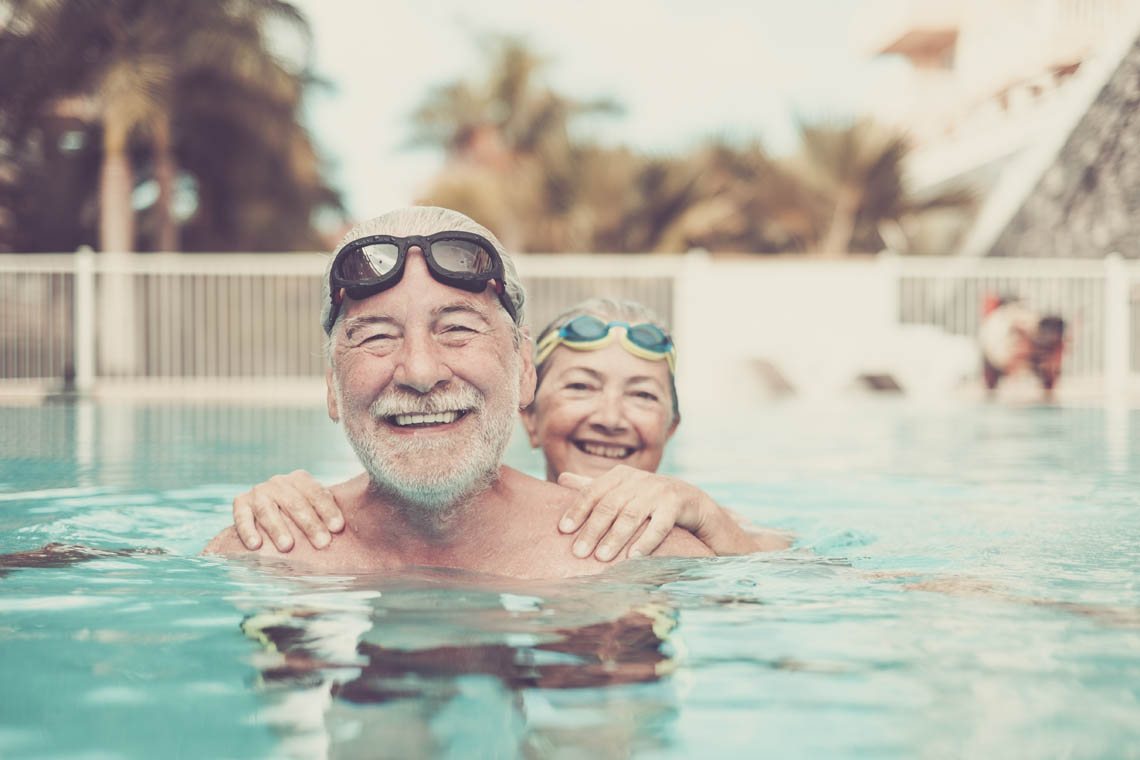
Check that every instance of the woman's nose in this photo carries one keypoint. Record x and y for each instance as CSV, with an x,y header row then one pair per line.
x,y
608,416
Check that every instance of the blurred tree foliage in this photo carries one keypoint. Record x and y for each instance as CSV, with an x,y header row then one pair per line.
x,y
513,163
156,125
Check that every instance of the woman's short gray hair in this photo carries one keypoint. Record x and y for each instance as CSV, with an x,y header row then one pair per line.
x,y
425,220
611,310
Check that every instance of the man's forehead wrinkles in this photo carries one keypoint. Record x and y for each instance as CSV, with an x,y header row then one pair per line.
x,y
461,306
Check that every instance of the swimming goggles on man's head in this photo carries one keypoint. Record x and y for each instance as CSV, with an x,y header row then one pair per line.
x,y
588,333
368,265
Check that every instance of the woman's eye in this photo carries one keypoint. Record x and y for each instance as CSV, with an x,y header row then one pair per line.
x,y
645,395
376,337
577,387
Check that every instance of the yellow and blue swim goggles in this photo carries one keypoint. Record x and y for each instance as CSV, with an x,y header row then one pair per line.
x,y
588,333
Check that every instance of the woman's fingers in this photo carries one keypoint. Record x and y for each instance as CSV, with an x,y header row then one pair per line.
x,y
577,512
624,526
605,510
610,511
268,517
318,498
243,522
281,494
306,502
616,514
653,497
659,526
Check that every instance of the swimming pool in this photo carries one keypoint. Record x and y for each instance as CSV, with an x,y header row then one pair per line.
x,y
966,584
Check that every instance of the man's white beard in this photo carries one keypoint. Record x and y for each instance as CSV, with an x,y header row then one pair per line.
x,y
431,477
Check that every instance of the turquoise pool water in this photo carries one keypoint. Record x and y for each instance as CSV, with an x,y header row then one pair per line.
x,y
966,583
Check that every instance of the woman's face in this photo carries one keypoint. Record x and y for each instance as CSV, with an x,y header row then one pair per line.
x,y
597,409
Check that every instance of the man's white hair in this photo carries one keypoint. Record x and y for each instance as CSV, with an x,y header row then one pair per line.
x,y
425,220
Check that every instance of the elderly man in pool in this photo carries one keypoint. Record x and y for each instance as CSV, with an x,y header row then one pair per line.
x,y
603,413
427,370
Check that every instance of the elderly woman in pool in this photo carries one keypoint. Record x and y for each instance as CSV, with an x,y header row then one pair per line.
x,y
604,409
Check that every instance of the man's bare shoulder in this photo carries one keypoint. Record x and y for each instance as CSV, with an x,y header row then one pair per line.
x,y
226,542
682,543
526,492
229,544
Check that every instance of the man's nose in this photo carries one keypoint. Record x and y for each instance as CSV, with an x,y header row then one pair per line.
x,y
421,366
609,416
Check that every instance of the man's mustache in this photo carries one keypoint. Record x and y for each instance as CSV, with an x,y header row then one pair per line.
x,y
461,398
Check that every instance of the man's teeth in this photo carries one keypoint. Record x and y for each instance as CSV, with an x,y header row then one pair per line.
x,y
601,450
439,418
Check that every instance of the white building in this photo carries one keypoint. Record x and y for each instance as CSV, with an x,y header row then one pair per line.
x,y
992,87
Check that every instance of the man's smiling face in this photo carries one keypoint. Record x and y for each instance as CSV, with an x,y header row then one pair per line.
x,y
427,379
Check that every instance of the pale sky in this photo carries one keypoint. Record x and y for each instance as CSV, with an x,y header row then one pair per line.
x,y
684,70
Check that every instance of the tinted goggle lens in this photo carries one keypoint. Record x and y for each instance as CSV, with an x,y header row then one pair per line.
x,y
368,262
462,257
649,337
587,328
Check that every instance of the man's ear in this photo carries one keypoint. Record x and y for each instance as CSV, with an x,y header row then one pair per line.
x,y
528,378
530,424
334,412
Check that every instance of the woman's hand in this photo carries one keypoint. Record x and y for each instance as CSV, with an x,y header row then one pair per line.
x,y
611,508
306,502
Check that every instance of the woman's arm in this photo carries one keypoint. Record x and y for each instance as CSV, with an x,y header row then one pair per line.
x,y
608,513
611,508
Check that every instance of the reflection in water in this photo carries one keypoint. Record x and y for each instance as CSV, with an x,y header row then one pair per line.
x,y
422,671
62,555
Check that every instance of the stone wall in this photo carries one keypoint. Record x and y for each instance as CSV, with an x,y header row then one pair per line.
x,y
1087,203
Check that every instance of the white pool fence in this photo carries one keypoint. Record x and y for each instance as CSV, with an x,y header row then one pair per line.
x,y
94,322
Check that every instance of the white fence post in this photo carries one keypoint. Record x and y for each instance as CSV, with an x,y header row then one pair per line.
x,y
689,282
1117,308
83,319
891,271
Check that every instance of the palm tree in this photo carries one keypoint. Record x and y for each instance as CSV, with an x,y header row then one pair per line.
x,y
128,75
857,171
507,127
121,66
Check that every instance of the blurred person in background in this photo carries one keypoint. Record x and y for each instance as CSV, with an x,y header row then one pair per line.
x,y
1014,338
605,407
